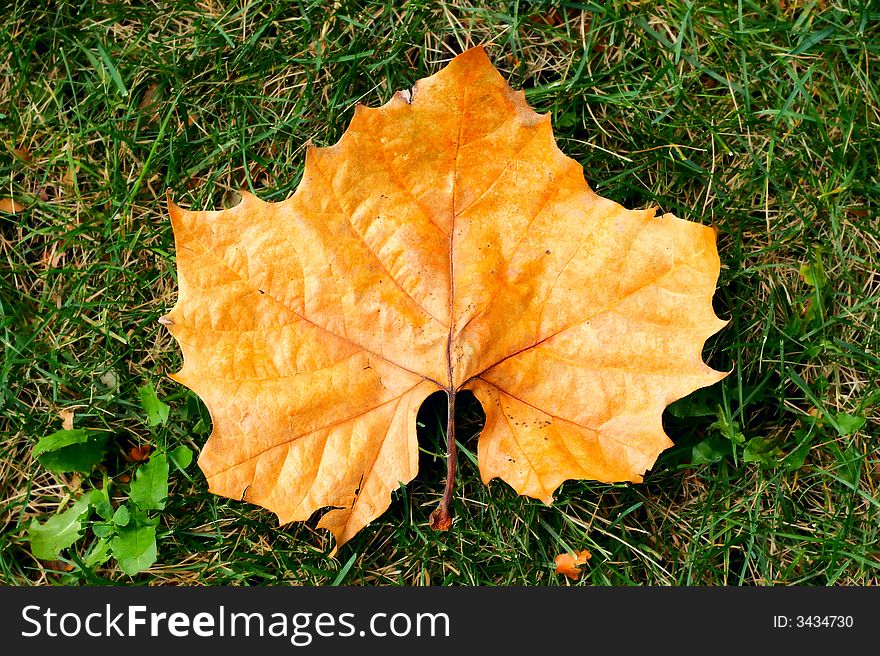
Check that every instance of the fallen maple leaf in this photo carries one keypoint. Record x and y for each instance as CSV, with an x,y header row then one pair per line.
x,y
444,242
568,563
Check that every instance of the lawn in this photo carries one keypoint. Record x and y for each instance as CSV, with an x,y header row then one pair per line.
x,y
759,118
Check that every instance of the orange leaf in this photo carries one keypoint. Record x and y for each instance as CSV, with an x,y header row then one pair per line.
x,y
58,565
568,563
22,153
11,206
66,419
140,453
444,243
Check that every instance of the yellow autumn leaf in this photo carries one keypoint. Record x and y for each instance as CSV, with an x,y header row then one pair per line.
x,y
444,243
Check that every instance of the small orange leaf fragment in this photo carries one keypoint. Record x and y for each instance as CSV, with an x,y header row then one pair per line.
x,y
140,453
22,153
568,563
11,206
58,565
66,419
444,243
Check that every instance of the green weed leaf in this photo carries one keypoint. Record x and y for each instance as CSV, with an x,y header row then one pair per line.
x,y
762,451
102,529
62,530
157,411
182,456
796,458
150,485
98,554
693,405
712,449
813,273
848,424
134,548
728,428
103,508
71,450
121,516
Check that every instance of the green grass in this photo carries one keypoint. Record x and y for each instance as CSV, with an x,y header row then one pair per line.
x,y
760,118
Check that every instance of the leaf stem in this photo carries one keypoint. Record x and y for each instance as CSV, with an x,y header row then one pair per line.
x,y
441,518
